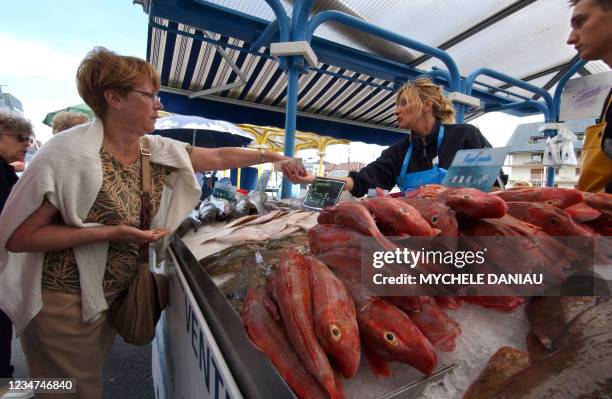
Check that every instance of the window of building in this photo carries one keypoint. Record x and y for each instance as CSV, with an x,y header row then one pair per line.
x,y
577,171
537,174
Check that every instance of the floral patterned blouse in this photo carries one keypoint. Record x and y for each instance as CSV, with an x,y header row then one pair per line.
x,y
117,202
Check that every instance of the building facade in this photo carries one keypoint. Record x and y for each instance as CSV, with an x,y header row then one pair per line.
x,y
8,101
524,161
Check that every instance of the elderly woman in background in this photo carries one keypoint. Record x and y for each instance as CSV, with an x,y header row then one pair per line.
x,y
74,215
64,120
434,139
15,137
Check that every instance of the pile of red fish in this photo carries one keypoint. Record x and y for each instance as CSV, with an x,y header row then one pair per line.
x,y
314,317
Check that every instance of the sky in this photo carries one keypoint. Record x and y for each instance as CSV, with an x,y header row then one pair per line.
x,y
42,43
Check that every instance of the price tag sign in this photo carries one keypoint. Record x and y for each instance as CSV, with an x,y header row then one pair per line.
x,y
478,168
323,192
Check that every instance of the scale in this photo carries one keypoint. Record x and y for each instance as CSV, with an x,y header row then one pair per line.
x,y
323,192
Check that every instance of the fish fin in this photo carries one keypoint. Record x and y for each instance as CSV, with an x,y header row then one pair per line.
x,y
272,309
378,365
383,241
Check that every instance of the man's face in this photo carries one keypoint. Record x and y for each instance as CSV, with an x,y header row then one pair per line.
x,y
591,33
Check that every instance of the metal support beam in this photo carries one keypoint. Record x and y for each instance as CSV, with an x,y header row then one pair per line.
x,y
506,12
562,82
559,75
295,64
327,16
290,121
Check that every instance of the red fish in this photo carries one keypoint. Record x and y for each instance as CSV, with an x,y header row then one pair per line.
x,y
529,245
356,216
438,215
335,321
473,203
428,191
290,287
324,237
603,203
559,197
436,325
409,303
600,201
344,261
390,334
552,220
500,303
449,302
396,215
264,329
581,212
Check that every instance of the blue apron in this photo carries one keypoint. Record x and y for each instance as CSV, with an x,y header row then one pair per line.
x,y
414,180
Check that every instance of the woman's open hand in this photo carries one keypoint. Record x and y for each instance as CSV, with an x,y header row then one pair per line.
x,y
132,235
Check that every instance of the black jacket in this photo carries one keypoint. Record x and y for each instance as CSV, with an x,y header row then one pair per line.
x,y
8,178
383,171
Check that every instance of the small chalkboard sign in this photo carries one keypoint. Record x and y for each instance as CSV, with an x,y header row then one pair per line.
x,y
323,192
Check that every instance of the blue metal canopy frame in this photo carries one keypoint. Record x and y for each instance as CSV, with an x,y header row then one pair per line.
x,y
260,33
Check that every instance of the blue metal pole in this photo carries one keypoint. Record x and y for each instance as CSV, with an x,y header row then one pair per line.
x,y
266,36
454,83
293,75
295,65
281,18
469,83
523,104
561,85
436,73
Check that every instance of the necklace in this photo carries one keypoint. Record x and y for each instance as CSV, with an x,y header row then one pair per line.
x,y
126,159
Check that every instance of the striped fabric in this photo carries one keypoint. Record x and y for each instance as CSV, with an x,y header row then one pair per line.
x,y
193,65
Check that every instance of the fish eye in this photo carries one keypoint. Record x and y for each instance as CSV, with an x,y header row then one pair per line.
x,y
335,332
434,219
551,202
391,338
553,221
403,210
497,237
467,196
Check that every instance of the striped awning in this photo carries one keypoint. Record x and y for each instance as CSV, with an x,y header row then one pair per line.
x,y
191,65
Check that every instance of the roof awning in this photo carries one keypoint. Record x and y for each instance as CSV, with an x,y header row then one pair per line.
x,y
203,51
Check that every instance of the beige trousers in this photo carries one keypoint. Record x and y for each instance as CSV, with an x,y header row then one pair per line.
x,y
58,344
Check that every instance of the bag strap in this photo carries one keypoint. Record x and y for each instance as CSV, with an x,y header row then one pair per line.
x,y
145,207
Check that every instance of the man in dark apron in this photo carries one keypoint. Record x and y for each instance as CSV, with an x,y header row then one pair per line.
x,y
591,35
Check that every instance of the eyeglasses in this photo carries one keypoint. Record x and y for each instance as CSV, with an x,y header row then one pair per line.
x,y
20,137
151,96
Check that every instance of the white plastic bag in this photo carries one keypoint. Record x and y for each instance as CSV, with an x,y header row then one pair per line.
x,y
559,150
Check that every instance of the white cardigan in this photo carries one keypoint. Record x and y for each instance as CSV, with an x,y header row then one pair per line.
x,y
68,171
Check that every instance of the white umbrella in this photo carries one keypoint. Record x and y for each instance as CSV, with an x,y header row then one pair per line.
x,y
202,131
